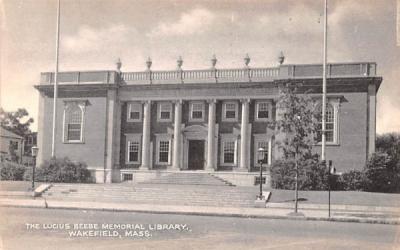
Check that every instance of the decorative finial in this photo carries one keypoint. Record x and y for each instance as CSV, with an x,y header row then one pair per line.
x,y
179,62
119,64
149,63
213,61
247,60
281,58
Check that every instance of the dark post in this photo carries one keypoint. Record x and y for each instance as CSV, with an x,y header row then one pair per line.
x,y
261,159
261,194
296,184
329,194
329,187
33,173
34,154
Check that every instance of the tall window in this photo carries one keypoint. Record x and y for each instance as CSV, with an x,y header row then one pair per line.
x,y
134,112
133,151
197,111
73,127
261,142
263,110
164,111
163,154
229,152
330,124
230,111
133,142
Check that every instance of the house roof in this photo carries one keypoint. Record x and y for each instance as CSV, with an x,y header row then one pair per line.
x,y
7,133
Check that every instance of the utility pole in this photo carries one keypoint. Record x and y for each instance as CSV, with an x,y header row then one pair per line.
x,y
323,153
55,94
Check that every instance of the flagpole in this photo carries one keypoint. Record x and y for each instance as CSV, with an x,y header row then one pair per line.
x,y
323,153
55,95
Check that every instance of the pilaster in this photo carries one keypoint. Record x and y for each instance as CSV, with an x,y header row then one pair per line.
x,y
211,147
371,118
176,157
112,104
146,164
244,138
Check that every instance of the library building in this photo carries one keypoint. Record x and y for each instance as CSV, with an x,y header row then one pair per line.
x,y
134,126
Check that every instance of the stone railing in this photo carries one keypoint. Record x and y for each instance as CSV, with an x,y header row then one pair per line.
x,y
199,76
80,77
333,70
213,75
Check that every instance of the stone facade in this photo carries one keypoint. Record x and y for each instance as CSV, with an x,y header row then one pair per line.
x,y
134,125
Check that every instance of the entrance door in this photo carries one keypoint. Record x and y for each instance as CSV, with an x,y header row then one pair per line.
x,y
196,155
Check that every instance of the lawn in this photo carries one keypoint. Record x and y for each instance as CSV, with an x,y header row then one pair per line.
x,y
283,196
338,197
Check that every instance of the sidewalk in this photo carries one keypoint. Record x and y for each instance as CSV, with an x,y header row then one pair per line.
x,y
340,213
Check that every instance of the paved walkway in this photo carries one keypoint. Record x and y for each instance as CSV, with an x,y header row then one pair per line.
x,y
273,211
280,206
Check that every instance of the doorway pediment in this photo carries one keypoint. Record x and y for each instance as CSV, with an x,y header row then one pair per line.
x,y
195,132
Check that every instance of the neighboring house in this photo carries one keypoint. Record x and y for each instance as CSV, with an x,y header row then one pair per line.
x,y
135,125
30,141
11,144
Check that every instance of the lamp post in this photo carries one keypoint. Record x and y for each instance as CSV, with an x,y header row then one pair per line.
x,y
261,160
34,154
331,175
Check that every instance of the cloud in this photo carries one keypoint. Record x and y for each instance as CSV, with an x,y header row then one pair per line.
x,y
196,21
90,39
298,20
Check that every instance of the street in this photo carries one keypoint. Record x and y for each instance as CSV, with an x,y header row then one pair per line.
x,y
30,228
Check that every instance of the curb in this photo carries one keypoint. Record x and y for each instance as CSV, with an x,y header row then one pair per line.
x,y
164,210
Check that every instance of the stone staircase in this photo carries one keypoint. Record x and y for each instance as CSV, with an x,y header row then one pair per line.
x,y
182,178
149,193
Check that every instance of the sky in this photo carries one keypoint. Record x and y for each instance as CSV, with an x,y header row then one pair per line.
x,y
94,33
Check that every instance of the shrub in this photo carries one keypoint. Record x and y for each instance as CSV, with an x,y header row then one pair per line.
x,y
61,170
282,174
28,174
13,172
382,174
353,180
316,175
312,175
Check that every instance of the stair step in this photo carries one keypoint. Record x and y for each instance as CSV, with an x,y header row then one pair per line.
x,y
200,189
188,179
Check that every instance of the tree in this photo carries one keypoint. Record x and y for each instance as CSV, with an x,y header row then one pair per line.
x,y
382,174
17,122
389,144
297,123
382,170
